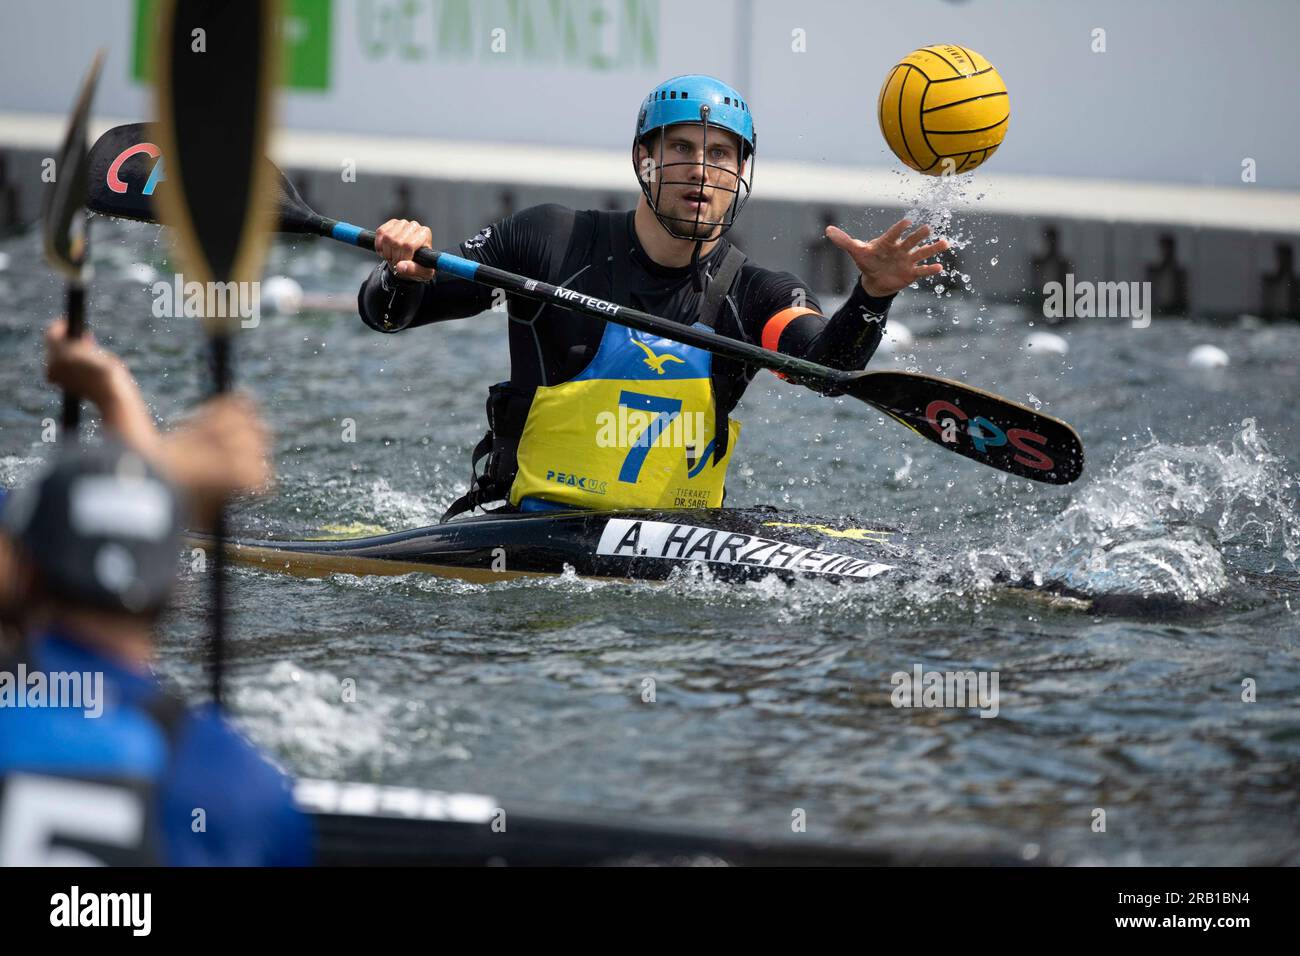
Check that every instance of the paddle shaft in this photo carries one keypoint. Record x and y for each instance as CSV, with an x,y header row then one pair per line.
x,y
799,370
222,377
76,311
76,314
894,393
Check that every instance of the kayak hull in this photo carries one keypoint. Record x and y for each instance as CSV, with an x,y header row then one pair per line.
x,y
734,544
363,824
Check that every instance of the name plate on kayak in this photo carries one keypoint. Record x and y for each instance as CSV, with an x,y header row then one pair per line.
x,y
665,540
372,800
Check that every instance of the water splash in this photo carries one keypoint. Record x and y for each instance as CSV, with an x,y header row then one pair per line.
x,y
932,200
1167,522
301,712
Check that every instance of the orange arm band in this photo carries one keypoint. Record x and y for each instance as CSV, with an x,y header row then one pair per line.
x,y
774,326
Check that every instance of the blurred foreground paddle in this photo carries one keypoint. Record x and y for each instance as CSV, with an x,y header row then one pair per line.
x,y
217,63
65,226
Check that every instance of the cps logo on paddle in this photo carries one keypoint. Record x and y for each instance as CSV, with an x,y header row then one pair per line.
x,y
113,178
985,436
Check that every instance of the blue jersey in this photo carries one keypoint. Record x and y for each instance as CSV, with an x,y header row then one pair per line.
x,y
126,775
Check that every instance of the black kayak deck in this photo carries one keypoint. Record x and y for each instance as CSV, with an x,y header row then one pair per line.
x,y
632,545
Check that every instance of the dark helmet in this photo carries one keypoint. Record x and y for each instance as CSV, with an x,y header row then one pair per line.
x,y
102,528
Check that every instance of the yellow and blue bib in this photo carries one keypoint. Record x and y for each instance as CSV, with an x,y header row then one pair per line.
x,y
635,429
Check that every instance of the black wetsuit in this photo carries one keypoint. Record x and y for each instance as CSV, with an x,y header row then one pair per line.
x,y
550,345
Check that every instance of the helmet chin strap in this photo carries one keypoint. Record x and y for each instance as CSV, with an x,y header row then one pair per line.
x,y
697,280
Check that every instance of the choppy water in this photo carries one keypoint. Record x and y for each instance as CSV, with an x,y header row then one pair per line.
x,y
767,697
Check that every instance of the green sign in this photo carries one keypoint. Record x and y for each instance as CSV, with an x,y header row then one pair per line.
x,y
596,35
305,30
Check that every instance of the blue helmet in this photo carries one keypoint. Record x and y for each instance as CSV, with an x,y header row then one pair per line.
x,y
703,101
679,100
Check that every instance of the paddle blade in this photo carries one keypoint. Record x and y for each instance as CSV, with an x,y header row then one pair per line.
x,y
980,425
127,168
216,68
63,231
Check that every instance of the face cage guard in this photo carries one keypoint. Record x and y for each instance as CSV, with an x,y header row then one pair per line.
x,y
689,228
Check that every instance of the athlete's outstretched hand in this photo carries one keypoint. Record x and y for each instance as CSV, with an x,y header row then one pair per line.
x,y
893,260
396,242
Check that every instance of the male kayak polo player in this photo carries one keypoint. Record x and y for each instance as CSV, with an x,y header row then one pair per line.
x,y
550,443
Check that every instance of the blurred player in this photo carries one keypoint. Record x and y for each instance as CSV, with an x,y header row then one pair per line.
x,y
98,764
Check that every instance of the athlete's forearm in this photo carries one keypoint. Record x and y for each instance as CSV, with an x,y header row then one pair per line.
x,y
389,304
852,335
124,412
80,367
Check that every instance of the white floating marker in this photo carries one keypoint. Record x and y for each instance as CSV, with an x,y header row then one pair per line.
x,y
4,261
1207,356
282,295
1045,343
329,302
896,337
141,272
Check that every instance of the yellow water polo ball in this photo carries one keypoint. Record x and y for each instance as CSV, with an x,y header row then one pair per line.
x,y
943,109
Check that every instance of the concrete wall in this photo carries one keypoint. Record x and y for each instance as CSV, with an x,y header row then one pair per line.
x,y
1225,267
1183,91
